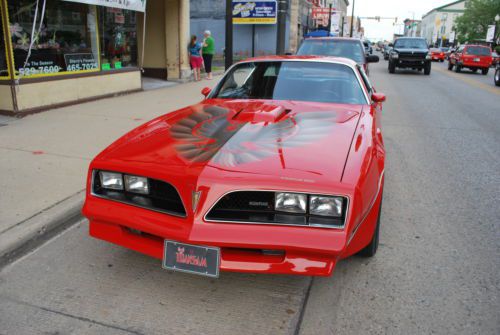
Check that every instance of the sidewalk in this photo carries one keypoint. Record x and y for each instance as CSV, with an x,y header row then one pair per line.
x,y
44,157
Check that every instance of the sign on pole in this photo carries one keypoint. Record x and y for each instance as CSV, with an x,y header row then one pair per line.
x,y
336,22
452,37
490,35
254,12
135,5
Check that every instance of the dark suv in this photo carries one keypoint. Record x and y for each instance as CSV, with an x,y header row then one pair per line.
x,y
410,53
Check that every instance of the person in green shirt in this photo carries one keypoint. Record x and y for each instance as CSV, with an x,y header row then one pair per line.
x,y
208,52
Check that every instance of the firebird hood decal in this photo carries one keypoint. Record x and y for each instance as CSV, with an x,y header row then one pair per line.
x,y
228,138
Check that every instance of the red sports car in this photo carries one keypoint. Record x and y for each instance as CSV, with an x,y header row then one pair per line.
x,y
437,54
280,169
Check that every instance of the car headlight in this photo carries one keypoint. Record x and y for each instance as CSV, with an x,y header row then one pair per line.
x,y
291,202
428,56
325,206
136,184
394,56
111,180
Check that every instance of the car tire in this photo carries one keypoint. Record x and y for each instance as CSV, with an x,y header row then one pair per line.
x,y
427,69
497,77
474,70
371,249
485,71
458,68
392,67
450,66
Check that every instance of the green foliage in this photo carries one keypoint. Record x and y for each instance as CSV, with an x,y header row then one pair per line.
x,y
497,49
479,14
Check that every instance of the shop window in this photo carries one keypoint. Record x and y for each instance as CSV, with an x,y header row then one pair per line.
x,y
66,42
118,38
4,72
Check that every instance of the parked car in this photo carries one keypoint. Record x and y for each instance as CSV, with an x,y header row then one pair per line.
x,y
473,57
262,176
410,53
351,48
437,54
497,74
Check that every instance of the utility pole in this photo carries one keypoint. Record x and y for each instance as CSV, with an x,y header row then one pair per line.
x,y
228,51
281,28
352,18
330,20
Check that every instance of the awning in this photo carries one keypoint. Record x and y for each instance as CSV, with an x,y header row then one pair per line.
x,y
136,5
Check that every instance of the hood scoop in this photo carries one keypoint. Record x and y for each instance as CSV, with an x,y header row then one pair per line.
x,y
261,114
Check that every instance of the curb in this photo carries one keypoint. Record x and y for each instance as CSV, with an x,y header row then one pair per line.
x,y
40,227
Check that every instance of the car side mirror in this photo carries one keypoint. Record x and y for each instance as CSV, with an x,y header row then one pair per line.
x,y
372,59
378,97
206,91
391,45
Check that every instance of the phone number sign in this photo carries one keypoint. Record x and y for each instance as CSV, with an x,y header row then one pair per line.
x,y
254,12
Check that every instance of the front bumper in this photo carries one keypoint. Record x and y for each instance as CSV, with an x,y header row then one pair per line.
x,y
410,63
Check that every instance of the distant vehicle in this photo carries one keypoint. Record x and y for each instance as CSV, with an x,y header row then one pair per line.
x,y
437,54
351,48
410,53
496,59
497,74
368,47
473,57
387,50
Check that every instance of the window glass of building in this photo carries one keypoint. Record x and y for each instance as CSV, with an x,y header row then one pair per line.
x,y
4,71
118,38
66,41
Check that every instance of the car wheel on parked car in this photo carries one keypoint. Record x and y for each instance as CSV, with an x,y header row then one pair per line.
x,y
485,71
450,66
371,249
458,68
497,76
392,67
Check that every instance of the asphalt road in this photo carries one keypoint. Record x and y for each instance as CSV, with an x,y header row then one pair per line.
x,y
437,270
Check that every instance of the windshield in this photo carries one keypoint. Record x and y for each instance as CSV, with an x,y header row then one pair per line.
x,y
478,51
303,81
410,43
337,48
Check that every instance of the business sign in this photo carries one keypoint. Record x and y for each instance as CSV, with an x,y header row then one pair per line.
x,y
490,35
451,38
80,62
336,22
136,5
254,12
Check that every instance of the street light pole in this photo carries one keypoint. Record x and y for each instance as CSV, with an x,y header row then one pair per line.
x,y
352,17
281,28
229,35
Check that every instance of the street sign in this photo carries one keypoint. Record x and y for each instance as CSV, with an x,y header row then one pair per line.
x,y
254,12
490,35
452,37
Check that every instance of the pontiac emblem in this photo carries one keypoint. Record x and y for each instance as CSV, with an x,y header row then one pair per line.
x,y
195,198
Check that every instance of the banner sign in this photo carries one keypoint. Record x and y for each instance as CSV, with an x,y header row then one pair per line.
x,y
490,35
254,12
136,5
451,38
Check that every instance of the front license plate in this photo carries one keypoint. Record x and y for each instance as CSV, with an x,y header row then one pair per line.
x,y
476,59
190,258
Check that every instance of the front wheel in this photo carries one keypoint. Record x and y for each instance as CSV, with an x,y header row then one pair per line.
x,y
371,249
427,69
450,66
497,77
485,71
392,67
458,68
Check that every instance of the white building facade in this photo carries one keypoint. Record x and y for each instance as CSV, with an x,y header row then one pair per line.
x,y
437,25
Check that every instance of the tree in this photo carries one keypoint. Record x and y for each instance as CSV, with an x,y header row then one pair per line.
x,y
478,15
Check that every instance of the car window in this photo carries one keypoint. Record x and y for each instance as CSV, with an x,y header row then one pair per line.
x,y
302,81
478,51
336,48
410,43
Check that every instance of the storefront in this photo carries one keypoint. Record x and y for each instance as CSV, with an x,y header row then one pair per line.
x,y
82,50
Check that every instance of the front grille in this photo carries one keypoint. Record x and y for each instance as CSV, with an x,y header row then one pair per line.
x,y
162,196
258,207
412,56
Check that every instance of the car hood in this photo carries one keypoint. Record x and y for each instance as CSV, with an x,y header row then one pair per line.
x,y
233,139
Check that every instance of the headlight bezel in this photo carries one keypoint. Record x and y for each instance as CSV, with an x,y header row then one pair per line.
x,y
129,179
309,197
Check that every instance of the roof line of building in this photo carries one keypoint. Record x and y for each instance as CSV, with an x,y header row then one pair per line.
x,y
444,6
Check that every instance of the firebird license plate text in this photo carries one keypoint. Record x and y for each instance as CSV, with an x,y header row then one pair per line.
x,y
191,258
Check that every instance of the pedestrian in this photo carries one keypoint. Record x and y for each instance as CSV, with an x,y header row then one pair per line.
x,y
195,57
208,52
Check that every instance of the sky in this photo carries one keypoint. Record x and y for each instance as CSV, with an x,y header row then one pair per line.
x,y
402,9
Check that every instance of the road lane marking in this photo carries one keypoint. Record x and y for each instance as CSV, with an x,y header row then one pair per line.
x,y
491,89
